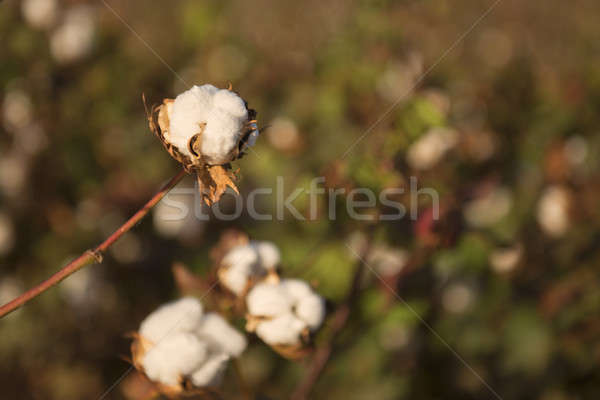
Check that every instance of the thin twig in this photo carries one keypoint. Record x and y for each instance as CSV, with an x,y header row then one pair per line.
x,y
338,322
89,256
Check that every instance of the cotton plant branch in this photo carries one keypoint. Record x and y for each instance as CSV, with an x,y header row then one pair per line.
x,y
91,256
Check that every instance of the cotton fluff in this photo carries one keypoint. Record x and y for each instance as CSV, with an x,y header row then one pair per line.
x,y
268,300
181,316
175,356
220,335
184,342
268,253
224,114
211,372
431,147
248,261
282,330
74,38
285,310
40,14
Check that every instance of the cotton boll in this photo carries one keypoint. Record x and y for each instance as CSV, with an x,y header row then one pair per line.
x,y
175,356
553,211
220,335
224,114
211,372
283,330
268,300
74,38
431,147
489,209
180,316
240,264
268,254
311,310
40,14
188,111
17,110
297,289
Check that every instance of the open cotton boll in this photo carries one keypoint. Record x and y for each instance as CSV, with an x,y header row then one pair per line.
x,y
268,300
282,330
311,310
240,264
224,114
180,316
211,372
175,356
296,288
220,335
268,254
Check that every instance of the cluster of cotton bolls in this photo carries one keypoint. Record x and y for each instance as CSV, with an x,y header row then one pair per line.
x,y
283,313
71,32
245,264
219,116
179,341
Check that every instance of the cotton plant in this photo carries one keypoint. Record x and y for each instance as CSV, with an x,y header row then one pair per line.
x,y
206,128
284,313
184,350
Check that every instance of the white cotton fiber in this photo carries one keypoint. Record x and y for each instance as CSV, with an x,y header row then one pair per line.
x,y
211,372
224,114
240,264
179,316
282,330
267,300
296,288
173,357
311,309
268,254
220,335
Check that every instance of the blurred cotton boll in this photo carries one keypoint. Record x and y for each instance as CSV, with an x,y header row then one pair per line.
x,y
429,149
284,136
400,77
13,174
457,298
73,39
10,288
504,260
17,110
489,208
553,210
40,14
7,234
175,215
388,261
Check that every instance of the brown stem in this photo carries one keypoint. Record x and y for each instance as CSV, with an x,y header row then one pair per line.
x,y
90,256
339,320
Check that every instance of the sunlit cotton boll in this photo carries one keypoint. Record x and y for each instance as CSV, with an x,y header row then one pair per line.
x,y
40,14
553,211
175,356
181,316
17,110
73,39
268,254
489,209
224,114
180,341
285,311
430,148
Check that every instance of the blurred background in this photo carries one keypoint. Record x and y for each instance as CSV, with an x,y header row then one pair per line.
x,y
501,119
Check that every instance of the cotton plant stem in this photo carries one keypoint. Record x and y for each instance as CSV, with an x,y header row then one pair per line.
x,y
340,318
90,256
